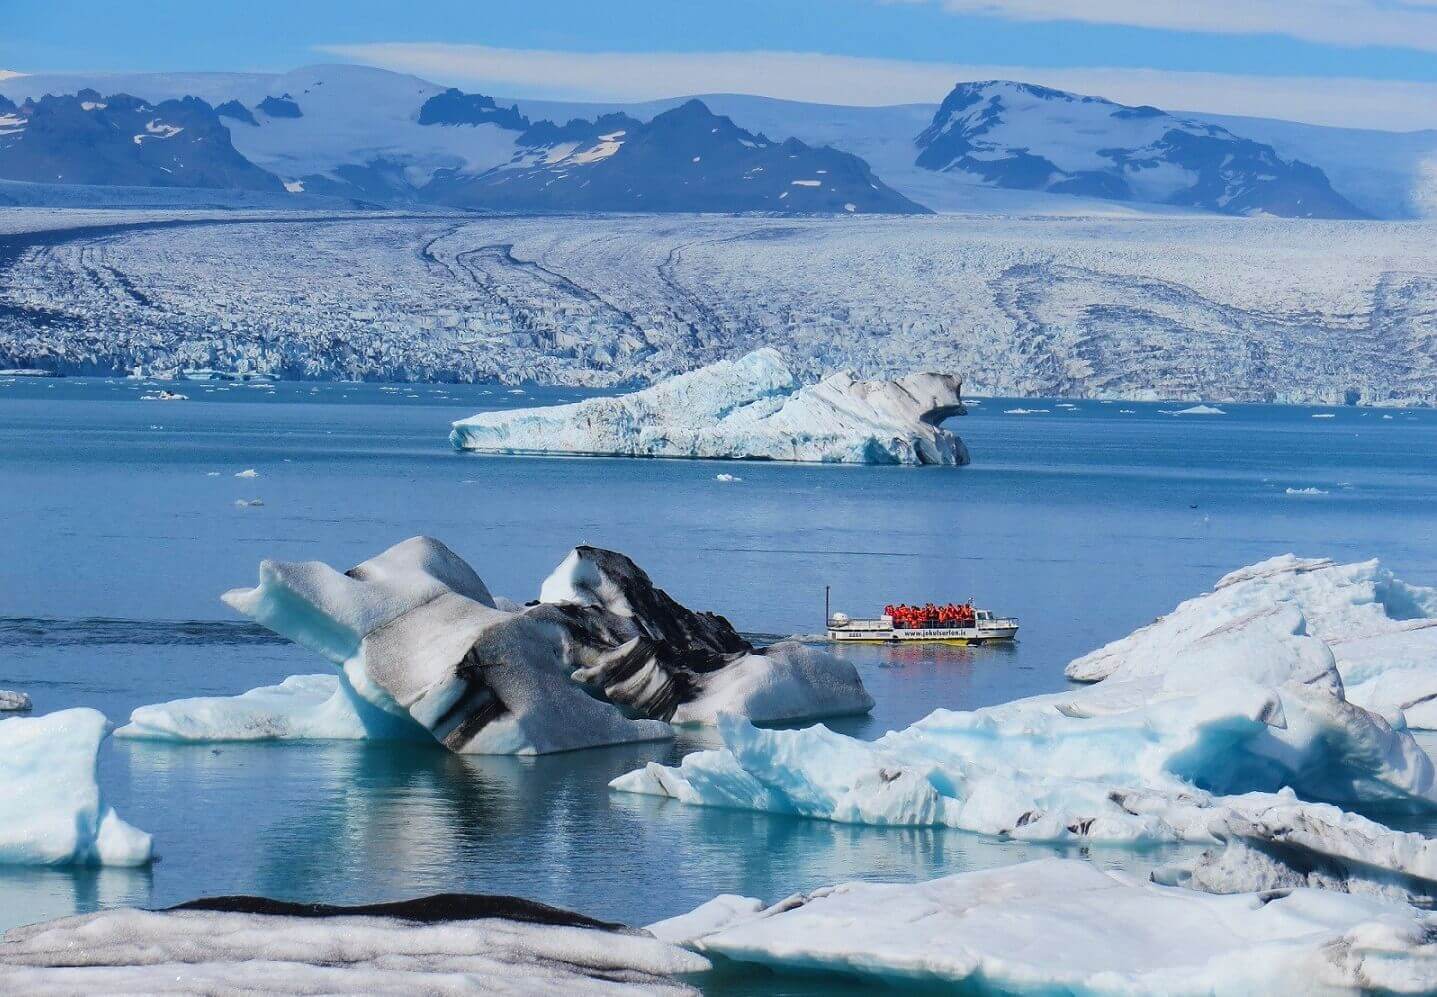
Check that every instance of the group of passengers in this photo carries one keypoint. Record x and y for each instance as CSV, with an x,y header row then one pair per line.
x,y
906,617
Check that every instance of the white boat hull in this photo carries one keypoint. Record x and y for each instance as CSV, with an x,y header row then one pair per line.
x,y
866,632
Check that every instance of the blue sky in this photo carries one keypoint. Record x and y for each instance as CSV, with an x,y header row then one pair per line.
x,y
878,50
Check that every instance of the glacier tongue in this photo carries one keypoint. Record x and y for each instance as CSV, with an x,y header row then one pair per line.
x,y
426,651
752,408
1064,926
51,809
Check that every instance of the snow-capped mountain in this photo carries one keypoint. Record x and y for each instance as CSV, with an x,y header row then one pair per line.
x,y
364,134
86,138
685,159
1033,138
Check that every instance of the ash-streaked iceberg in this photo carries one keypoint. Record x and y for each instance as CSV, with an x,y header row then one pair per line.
x,y
604,657
1382,631
51,809
1226,731
1064,926
753,408
449,944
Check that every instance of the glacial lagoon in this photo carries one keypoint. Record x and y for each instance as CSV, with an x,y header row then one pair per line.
x,y
1086,519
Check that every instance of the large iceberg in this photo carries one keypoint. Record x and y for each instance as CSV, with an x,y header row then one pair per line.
x,y
450,944
1063,926
753,408
51,808
425,650
1382,631
1207,742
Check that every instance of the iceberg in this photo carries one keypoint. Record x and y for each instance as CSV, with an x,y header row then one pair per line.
x,y
302,707
425,650
51,809
13,702
1238,734
1382,631
447,944
753,408
1064,926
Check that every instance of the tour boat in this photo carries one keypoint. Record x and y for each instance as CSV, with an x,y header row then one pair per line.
x,y
968,626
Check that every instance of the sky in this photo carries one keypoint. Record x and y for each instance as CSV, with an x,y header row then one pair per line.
x,y
1349,62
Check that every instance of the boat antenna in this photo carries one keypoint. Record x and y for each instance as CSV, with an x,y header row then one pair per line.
x,y
826,617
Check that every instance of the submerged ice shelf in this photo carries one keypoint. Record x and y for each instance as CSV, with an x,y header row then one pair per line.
x,y
1238,735
425,651
753,408
51,809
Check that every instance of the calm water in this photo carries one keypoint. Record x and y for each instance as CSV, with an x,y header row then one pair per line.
x,y
1085,522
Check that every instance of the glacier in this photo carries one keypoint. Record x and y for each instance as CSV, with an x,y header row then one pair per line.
x,y
1240,730
52,811
1065,926
752,408
450,944
1169,308
425,651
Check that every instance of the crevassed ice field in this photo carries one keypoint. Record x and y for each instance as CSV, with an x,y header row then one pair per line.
x,y
1247,309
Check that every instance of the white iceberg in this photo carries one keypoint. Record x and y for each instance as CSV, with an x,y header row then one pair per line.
x,y
753,408
504,945
51,809
13,702
1382,631
425,650
1200,410
302,707
1063,926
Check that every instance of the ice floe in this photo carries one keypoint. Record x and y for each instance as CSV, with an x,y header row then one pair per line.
x,y
1206,726
51,809
1064,926
1310,490
753,408
451,944
603,657
302,707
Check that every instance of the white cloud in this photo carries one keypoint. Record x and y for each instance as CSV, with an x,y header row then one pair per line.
x,y
1400,23
835,79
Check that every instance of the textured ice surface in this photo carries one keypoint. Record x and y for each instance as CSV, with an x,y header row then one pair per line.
x,y
752,408
1171,308
1381,630
51,808
1063,926
1286,844
133,951
13,701
605,657
1238,729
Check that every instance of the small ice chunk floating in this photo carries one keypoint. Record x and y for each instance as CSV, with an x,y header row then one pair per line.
x,y
1063,926
51,808
1226,723
753,408
603,657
